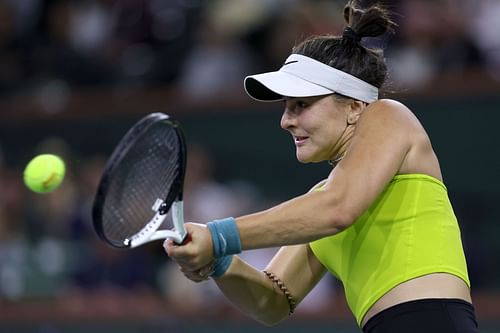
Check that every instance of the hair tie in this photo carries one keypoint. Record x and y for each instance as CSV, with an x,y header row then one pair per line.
x,y
351,34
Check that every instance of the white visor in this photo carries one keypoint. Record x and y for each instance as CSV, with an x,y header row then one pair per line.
x,y
302,76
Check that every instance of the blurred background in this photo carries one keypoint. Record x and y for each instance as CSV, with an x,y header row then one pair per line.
x,y
76,74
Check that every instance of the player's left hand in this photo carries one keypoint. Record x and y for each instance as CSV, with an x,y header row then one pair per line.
x,y
199,275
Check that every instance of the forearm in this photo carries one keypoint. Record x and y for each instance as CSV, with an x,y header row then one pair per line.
x,y
251,291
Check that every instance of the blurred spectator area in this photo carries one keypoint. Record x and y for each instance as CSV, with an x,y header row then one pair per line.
x,y
84,57
76,74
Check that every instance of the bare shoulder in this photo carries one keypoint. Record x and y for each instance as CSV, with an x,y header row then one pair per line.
x,y
399,122
389,108
388,114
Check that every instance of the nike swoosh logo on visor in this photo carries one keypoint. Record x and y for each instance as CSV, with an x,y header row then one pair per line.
x,y
290,62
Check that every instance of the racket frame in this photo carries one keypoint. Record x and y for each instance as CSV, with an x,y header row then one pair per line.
x,y
173,201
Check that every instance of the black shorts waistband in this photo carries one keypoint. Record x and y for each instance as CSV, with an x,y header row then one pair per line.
x,y
425,315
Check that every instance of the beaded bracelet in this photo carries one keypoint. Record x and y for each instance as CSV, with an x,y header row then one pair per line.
x,y
292,303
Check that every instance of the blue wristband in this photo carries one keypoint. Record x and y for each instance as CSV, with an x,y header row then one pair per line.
x,y
225,237
221,265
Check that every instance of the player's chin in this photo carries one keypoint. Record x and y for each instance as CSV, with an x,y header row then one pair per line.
x,y
304,157
309,156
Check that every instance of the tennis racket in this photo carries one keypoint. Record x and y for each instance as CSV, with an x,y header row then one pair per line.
x,y
141,182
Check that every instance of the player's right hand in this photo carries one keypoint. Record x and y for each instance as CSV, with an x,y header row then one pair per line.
x,y
195,255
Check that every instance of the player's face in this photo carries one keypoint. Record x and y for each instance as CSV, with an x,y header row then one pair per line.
x,y
316,125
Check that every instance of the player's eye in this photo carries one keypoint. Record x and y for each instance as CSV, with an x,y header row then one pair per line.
x,y
295,105
301,104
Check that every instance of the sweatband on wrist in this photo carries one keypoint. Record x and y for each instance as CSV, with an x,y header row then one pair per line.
x,y
225,237
221,265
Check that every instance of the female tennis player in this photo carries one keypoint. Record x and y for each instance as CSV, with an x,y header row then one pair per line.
x,y
381,222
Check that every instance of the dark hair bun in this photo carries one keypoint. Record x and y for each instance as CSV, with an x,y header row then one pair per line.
x,y
373,21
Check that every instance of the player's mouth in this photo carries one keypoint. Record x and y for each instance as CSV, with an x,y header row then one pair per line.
x,y
300,140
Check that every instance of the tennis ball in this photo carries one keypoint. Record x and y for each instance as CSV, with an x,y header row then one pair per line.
x,y
44,173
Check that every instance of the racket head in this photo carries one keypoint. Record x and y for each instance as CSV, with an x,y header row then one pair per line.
x,y
148,164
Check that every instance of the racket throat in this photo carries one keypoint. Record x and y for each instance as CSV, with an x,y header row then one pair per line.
x,y
150,232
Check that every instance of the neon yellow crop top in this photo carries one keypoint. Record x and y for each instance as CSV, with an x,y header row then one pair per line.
x,y
409,231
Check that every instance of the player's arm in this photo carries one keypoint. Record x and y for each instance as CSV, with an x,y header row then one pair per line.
x,y
251,291
381,141
384,135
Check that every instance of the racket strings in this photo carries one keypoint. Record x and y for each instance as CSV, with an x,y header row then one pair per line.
x,y
148,171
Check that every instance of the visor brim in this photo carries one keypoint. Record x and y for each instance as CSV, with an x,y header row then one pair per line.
x,y
274,86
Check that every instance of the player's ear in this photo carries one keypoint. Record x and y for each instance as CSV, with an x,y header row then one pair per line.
x,y
354,111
